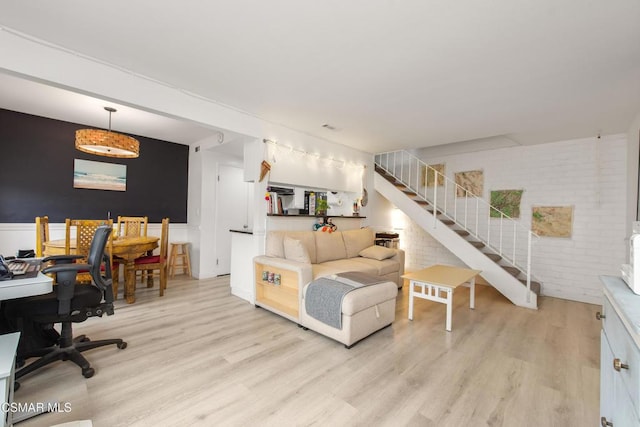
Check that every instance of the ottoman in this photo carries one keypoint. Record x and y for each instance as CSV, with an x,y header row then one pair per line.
x,y
364,310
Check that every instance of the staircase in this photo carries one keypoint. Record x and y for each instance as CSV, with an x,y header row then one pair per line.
x,y
480,235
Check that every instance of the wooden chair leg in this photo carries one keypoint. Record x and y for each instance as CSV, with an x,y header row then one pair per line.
x,y
115,281
163,280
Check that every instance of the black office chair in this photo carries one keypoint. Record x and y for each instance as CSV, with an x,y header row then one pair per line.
x,y
69,303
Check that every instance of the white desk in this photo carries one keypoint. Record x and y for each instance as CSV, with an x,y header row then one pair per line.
x,y
436,280
10,289
19,288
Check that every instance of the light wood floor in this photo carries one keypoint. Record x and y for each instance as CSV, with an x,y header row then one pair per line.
x,y
200,356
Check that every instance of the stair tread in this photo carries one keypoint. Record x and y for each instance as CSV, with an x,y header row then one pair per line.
x,y
514,271
494,257
535,286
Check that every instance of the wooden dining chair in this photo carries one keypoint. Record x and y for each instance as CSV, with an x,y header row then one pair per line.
x,y
149,263
132,226
82,231
42,234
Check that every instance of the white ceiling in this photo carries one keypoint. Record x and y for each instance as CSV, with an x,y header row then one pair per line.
x,y
387,74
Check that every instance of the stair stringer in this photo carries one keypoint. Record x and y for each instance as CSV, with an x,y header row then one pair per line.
x,y
493,273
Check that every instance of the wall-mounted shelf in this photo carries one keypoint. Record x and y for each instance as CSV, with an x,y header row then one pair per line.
x,y
318,216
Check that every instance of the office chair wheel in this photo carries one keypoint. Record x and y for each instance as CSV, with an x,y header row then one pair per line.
x,y
122,345
88,372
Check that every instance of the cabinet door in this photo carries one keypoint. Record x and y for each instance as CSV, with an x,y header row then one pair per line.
x,y
615,403
607,380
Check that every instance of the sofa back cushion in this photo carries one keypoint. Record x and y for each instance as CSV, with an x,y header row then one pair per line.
x,y
294,250
275,243
357,240
329,246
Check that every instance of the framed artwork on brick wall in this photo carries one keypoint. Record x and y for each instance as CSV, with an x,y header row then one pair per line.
x,y
552,221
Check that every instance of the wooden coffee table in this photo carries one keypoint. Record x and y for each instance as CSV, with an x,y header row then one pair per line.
x,y
437,283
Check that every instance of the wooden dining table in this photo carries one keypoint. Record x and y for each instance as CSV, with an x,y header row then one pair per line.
x,y
126,248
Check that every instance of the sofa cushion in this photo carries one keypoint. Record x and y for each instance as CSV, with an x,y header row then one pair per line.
x,y
368,296
382,268
294,250
275,243
357,240
340,266
377,252
329,246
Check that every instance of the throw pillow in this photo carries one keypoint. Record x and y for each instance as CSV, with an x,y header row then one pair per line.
x,y
294,250
377,252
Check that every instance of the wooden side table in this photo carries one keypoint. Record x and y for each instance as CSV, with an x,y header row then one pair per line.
x,y
179,258
437,280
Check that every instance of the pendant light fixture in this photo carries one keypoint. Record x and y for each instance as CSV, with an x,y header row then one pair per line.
x,y
107,143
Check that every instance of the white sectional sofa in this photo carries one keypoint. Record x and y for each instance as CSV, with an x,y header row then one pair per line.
x,y
295,258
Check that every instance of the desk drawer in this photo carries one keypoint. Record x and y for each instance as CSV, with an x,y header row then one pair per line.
x,y
625,351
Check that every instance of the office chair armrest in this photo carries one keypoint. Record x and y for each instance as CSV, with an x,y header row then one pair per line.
x,y
59,268
62,259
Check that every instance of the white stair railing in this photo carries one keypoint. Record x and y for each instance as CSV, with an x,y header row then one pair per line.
x,y
496,230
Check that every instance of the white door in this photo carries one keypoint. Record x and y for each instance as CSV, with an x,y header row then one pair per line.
x,y
231,212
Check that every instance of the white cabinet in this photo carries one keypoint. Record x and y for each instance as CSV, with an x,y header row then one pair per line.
x,y
619,355
8,346
243,249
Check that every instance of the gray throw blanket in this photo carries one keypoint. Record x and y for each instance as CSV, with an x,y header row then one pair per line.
x,y
323,300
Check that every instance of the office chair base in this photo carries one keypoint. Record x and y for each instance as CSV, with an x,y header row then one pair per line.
x,y
72,353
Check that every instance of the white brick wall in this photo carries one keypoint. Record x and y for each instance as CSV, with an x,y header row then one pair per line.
x,y
588,174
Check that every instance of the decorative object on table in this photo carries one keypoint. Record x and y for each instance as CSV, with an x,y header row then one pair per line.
x,y
265,167
265,276
552,221
276,279
107,143
92,175
506,202
469,183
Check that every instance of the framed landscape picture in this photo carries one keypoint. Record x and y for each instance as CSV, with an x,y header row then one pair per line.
x,y
99,175
471,181
552,221
429,175
507,202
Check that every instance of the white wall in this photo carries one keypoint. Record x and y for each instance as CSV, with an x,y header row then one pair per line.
x,y
633,157
588,174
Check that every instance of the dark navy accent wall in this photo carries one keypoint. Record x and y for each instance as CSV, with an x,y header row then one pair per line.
x,y
36,175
